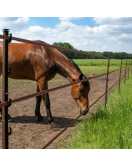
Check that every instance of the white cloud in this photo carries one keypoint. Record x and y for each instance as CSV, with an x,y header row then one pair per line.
x,y
113,20
113,34
98,38
13,23
93,41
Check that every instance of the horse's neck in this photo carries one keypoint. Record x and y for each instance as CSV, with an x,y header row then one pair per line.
x,y
65,68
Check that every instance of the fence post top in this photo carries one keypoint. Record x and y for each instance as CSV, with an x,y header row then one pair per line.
x,y
5,30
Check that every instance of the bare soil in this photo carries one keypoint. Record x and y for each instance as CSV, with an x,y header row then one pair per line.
x,y
27,133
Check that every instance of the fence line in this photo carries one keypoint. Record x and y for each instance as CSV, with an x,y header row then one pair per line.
x,y
6,103
47,91
41,43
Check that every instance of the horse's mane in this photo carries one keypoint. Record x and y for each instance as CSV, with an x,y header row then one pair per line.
x,y
85,83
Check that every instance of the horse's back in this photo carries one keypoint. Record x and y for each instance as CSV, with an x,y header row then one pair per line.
x,y
28,61
19,60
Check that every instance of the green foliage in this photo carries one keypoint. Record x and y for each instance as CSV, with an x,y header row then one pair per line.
x,y
66,45
110,127
72,55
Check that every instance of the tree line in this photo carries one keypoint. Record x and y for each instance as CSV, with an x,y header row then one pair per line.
x,y
73,55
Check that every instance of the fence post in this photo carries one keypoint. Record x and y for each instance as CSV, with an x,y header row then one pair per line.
x,y
128,69
120,77
107,82
131,66
125,73
5,92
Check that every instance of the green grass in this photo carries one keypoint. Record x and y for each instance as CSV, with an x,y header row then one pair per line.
x,y
108,128
97,69
98,62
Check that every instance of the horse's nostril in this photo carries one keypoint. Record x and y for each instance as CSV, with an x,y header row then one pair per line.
x,y
84,112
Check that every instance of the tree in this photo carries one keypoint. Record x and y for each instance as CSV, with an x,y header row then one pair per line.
x,y
72,55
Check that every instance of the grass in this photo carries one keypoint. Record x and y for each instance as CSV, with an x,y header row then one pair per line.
x,y
97,69
98,62
110,127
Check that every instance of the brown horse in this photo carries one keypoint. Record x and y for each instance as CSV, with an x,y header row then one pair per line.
x,y
41,64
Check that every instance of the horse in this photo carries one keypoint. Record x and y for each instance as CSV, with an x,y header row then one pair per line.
x,y
41,64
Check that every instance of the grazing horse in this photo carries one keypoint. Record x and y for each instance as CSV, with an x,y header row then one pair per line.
x,y
41,63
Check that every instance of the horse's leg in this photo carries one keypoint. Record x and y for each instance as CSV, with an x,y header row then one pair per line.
x,y
37,109
44,86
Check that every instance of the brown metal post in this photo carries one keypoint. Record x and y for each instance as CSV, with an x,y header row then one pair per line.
x,y
125,73
5,92
107,82
120,77
128,69
131,66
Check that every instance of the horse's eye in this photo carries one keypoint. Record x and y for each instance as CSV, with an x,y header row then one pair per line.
x,y
80,90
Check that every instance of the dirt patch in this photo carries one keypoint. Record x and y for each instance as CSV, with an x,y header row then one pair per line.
x,y
27,133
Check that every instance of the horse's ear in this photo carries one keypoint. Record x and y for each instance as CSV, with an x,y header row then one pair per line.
x,y
89,76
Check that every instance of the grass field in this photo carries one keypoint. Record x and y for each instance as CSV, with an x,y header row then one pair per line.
x,y
108,128
97,69
98,66
98,62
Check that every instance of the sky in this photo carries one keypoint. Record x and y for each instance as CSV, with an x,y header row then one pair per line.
x,y
100,33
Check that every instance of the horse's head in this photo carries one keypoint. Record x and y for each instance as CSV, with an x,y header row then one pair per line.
x,y
80,92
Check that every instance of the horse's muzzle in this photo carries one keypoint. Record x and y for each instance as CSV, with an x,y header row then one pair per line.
x,y
85,111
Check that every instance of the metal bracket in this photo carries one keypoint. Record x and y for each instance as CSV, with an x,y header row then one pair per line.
x,y
9,130
9,102
9,72
10,38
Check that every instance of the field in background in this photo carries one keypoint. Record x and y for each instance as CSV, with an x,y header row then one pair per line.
x,y
98,62
98,66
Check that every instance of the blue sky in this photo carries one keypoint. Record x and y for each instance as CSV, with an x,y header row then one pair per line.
x,y
52,21
87,25
83,33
